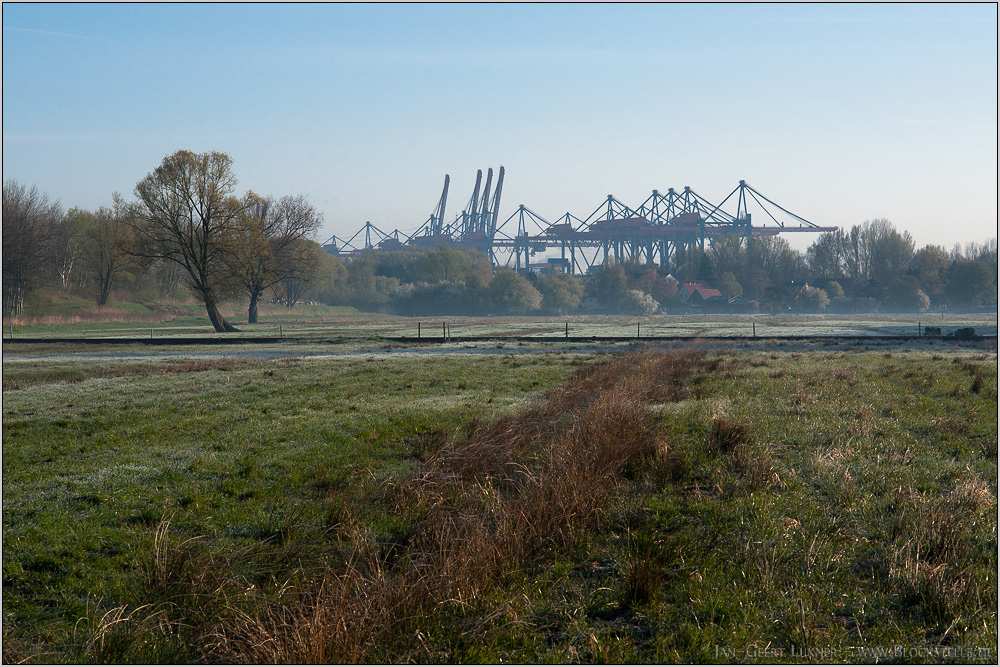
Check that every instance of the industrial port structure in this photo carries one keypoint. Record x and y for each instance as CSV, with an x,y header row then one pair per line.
x,y
650,233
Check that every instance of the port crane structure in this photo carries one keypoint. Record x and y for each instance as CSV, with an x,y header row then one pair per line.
x,y
652,232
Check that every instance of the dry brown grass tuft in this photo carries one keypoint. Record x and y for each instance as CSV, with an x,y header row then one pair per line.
x,y
670,466
866,421
181,575
332,621
845,376
972,495
752,462
756,466
933,561
645,569
341,516
949,425
123,632
727,435
182,587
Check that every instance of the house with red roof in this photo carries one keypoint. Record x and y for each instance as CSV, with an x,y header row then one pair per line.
x,y
697,292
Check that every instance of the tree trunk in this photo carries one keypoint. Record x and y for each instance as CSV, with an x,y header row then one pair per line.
x,y
106,273
18,300
252,312
218,321
105,292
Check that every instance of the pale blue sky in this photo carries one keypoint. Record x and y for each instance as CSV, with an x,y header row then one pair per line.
x,y
840,113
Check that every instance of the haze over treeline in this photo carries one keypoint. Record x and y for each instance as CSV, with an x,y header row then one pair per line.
x,y
187,233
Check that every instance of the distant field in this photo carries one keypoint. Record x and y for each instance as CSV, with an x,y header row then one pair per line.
x,y
79,318
279,507
327,322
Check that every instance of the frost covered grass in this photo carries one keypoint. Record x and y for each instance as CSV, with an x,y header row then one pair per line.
x,y
528,508
75,371
88,466
334,322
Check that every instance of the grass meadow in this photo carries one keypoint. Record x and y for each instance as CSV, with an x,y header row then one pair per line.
x,y
77,318
539,505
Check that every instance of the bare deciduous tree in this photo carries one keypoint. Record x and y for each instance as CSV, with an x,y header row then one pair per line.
x,y
106,243
301,264
186,213
266,249
68,245
30,221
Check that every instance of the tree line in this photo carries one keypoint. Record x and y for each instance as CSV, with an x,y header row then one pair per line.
x,y
187,227
187,233
869,268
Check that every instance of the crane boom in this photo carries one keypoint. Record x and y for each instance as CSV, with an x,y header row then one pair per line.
x,y
484,206
438,223
496,206
470,211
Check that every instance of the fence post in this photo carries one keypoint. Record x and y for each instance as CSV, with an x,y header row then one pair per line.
x,y
444,331
567,330
418,330
636,329
754,329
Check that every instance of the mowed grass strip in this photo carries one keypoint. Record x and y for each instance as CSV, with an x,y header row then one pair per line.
x,y
818,500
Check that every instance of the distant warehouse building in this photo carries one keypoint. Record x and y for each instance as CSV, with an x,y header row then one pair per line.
x,y
558,264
